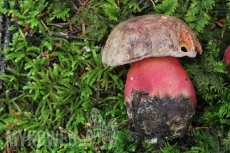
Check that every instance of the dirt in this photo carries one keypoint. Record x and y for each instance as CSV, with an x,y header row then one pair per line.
x,y
156,120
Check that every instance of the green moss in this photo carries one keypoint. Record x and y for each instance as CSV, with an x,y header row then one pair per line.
x,y
51,84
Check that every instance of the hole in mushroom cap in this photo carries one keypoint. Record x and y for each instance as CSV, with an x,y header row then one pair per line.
x,y
184,46
184,49
186,42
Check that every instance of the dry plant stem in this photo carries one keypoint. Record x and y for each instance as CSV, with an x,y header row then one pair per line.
x,y
42,14
27,28
65,131
219,24
71,37
60,25
8,147
199,128
83,27
70,26
23,36
76,31
153,3
84,5
74,6
25,11
45,26
118,3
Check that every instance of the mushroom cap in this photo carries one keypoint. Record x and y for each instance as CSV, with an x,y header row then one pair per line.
x,y
149,36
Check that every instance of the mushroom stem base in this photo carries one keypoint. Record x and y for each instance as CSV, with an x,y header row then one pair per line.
x,y
156,119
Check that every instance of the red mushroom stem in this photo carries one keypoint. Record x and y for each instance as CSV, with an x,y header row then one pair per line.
x,y
227,58
156,81
161,77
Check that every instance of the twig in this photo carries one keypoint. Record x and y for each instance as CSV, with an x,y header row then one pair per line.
x,y
42,14
45,26
8,141
71,37
6,41
25,11
21,33
60,25
83,3
118,3
198,128
153,3
83,27
65,131
76,31
74,6
70,26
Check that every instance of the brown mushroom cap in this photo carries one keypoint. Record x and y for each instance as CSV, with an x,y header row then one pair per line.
x,y
147,36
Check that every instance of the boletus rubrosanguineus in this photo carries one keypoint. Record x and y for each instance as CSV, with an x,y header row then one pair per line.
x,y
159,95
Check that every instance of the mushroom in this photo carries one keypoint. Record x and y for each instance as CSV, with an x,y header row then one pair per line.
x,y
227,58
159,94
